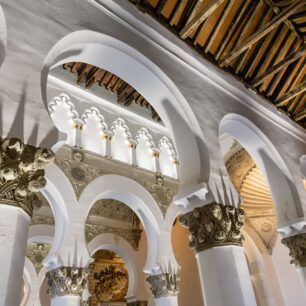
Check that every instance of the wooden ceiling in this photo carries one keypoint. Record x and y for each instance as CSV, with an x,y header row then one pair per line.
x,y
88,75
260,42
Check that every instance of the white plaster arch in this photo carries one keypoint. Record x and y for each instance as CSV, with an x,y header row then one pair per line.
x,y
121,247
119,58
60,195
64,116
41,233
94,127
167,158
3,36
120,143
269,161
303,165
144,150
29,276
138,199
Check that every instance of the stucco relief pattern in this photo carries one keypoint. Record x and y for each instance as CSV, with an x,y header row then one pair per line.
x,y
22,173
81,167
214,225
164,284
37,252
131,235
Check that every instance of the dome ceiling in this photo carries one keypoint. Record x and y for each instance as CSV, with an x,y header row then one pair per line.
x,y
260,42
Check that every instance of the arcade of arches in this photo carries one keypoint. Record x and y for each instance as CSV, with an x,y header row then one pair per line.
x,y
135,171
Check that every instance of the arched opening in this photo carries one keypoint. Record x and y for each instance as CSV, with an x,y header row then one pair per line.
x,y
260,176
271,165
137,199
97,49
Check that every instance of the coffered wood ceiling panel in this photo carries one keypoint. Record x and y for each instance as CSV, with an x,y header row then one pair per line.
x,y
260,42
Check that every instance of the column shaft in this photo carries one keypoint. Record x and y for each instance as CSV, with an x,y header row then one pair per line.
x,y
215,235
166,301
14,224
225,278
70,300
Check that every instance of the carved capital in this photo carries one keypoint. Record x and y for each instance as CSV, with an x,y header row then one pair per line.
x,y
297,246
214,225
67,281
22,173
163,285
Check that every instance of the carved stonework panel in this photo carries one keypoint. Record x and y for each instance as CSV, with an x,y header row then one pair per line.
x,y
266,229
67,281
80,175
37,252
81,167
161,193
42,219
163,285
22,173
108,278
257,199
113,209
131,235
297,247
214,225
238,166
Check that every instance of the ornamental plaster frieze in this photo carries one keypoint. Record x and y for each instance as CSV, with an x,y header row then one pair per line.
x,y
132,236
163,285
214,225
67,281
81,167
22,173
297,246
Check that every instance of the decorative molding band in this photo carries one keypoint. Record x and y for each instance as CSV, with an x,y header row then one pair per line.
x,y
22,173
67,281
164,284
297,246
214,225
138,303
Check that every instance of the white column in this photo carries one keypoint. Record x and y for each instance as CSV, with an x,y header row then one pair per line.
x,y
68,300
215,236
166,301
297,246
14,225
225,278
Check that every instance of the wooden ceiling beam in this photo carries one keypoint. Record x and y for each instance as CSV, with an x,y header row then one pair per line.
x,y
279,66
199,14
242,12
219,24
266,29
300,116
290,95
287,22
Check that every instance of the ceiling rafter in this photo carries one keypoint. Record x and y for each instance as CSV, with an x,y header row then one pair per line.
x,y
259,42
279,66
199,14
266,29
